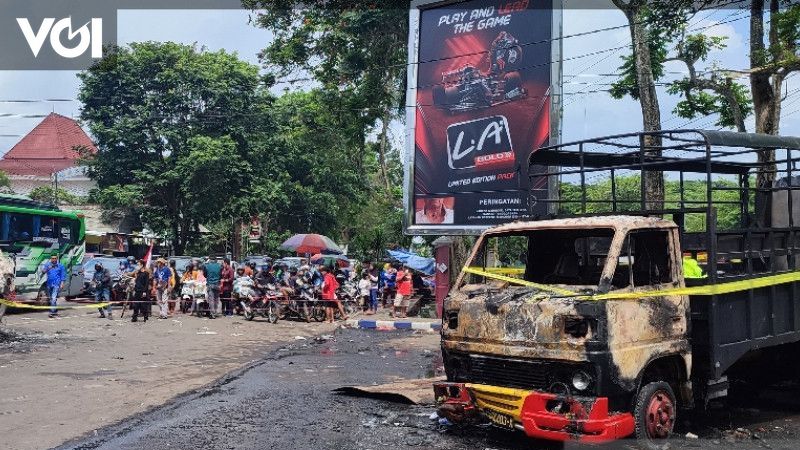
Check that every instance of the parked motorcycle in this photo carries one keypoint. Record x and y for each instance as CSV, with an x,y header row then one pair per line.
x,y
193,297
122,291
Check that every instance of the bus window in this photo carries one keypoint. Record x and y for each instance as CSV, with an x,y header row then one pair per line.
x,y
68,233
20,227
48,227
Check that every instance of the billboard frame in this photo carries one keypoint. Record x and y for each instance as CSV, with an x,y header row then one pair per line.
x,y
556,112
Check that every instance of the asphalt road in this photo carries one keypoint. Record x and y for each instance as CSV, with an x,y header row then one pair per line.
x,y
286,402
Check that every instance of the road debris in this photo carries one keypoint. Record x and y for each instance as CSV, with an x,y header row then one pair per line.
x,y
418,392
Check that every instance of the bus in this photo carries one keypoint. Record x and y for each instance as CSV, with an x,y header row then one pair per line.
x,y
30,232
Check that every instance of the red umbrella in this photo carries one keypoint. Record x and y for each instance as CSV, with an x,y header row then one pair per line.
x,y
310,243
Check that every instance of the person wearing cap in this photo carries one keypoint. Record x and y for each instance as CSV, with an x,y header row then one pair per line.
x,y
161,277
102,289
56,275
213,273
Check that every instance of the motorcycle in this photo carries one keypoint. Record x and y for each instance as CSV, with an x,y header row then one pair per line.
x,y
250,303
348,295
193,297
122,291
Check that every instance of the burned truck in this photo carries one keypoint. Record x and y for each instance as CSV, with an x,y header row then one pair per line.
x,y
609,318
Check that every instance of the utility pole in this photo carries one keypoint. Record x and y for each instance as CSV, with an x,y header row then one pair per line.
x,y
55,188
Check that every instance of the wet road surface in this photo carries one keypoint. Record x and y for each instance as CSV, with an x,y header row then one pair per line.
x,y
286,402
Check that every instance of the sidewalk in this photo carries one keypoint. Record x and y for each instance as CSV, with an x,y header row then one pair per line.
x,y
383,321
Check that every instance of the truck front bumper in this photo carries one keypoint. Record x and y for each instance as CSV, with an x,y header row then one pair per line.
x,y
540,415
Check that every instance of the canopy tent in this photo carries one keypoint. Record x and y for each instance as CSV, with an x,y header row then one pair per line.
x,y
414,261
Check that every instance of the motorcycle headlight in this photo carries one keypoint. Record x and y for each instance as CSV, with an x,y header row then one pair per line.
x,y
581,380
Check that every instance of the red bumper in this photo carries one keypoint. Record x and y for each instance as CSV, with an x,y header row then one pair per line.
x,y
541,415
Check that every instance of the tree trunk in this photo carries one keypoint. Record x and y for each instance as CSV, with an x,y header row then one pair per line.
x,y
764,106
459,252
648,100
382,146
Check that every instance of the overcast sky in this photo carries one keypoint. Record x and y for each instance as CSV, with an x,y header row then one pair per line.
x,y
589,110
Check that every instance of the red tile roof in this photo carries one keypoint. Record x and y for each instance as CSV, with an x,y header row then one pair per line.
x,y
48,148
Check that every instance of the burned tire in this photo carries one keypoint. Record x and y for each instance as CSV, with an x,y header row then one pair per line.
x,y
271,312
513,81
654,415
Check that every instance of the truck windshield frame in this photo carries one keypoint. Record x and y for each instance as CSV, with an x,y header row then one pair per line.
x,y
569,257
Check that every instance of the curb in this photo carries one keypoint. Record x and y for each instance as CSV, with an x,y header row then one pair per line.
x,y
393,325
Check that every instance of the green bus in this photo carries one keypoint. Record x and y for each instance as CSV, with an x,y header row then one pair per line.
x,y
30,232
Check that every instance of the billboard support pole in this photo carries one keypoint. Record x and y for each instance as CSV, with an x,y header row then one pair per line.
x,y
557,99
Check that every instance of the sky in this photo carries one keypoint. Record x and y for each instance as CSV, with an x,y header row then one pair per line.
x,y
589,110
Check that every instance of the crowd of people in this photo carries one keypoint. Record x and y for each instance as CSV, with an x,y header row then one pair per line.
x,y
389,286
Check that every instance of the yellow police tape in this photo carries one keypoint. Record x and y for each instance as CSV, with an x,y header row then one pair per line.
x,y
41,307
541,287
711,289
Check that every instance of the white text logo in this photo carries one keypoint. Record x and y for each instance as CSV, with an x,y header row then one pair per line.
x,y
90,35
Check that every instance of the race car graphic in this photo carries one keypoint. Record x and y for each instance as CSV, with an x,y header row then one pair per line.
x,y
468,88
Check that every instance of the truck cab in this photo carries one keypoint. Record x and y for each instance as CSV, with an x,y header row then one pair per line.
x,y
603,317
524,334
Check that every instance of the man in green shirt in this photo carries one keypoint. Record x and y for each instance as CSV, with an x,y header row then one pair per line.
x,y
213,273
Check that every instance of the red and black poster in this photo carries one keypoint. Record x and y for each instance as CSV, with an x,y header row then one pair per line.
x,y
482,106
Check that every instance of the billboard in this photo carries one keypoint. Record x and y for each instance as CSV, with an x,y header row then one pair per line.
x,y
479,101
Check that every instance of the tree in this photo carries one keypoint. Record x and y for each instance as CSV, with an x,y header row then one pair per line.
x,y
357,55
159,112
773,56
355,52
49,194
652,23
711,92
5,183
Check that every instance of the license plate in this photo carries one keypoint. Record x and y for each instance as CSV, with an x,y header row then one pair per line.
x,y
500,420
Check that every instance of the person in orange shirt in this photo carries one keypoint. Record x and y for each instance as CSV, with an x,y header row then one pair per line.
x,y
403,292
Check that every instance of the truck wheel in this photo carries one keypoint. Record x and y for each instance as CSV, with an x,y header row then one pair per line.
x,y
654,414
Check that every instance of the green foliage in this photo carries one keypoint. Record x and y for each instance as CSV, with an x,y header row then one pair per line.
x,y
357,54
60,196
705,96
159,113
628,84
662,21
787,25
356,49
628,195
5,183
